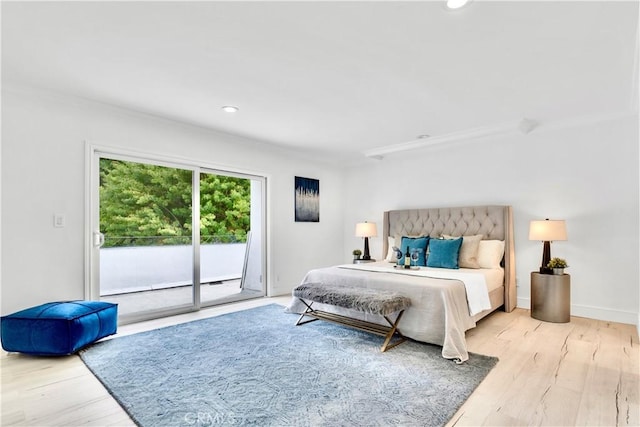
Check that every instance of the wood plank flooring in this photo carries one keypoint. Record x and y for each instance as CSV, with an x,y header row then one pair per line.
x,y
585,372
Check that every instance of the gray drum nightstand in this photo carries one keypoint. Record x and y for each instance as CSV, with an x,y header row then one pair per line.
x,y
551,297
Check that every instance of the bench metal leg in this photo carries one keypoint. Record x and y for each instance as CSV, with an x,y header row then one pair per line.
x,y
393,331
386,331
306,312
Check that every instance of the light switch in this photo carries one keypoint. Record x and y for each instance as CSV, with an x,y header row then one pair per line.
x,y
58,220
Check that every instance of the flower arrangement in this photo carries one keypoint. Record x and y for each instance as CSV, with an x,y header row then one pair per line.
x,y
356,253
557,263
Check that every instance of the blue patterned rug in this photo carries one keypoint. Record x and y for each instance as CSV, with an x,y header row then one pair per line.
x,y
254,367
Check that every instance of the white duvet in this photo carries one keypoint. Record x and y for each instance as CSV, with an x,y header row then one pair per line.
x,y
474,283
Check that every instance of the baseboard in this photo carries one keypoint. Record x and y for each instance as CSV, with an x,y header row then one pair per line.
x,y
598,313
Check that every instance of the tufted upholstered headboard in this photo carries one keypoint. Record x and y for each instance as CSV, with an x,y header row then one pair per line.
x,y
493,222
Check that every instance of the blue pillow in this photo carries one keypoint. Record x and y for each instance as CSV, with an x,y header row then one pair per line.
x,y
444,253
416,244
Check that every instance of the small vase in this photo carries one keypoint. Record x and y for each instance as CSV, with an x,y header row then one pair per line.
x,y
558,271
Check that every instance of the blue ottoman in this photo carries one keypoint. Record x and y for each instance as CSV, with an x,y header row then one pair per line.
x,y
58,328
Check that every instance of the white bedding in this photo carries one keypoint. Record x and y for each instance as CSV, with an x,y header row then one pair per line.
x,y
474,281
439,313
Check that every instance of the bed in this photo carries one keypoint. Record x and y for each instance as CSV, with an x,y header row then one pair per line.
x,y
442,309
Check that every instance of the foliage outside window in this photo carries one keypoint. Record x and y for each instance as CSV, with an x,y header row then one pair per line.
x,y
148,205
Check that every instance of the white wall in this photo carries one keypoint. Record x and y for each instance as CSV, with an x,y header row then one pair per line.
x,y
587,176
43,173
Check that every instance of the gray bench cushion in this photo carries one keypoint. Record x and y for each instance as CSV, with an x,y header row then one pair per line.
x,y
371,301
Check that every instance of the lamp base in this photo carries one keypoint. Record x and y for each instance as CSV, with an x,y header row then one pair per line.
x,y
546,256
366,256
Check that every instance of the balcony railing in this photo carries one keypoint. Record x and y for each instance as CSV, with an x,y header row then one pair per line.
x,y
164,264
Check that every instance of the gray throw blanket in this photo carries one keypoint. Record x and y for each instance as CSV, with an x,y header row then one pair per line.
x,y
372,301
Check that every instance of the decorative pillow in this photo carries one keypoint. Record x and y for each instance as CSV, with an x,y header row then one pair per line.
x,y
415,244
444,253
468,257
490,253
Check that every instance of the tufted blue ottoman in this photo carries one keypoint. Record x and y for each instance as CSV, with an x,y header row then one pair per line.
x,y
58,328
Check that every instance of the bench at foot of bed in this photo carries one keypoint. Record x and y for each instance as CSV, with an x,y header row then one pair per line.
x,y
372,301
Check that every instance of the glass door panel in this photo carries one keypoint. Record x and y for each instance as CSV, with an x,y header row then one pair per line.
x,y
146,259
230,238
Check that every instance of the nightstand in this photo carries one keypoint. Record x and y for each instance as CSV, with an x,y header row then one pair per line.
x,y
363,261
551,297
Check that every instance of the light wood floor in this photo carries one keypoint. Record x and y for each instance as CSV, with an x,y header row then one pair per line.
x,y
580,373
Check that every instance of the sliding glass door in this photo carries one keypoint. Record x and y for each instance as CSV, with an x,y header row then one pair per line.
x,y
169,237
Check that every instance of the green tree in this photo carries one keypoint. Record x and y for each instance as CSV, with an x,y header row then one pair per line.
x,y
151,205
225,204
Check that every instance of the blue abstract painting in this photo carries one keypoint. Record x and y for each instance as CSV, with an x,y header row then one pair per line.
x,y
307,200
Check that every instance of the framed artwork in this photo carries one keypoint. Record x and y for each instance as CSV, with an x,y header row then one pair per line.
x,y
307,200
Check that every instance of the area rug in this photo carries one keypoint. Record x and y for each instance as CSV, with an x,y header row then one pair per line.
x,y
255,367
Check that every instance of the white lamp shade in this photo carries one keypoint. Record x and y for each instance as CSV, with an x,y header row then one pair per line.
x,y
548,230
366,229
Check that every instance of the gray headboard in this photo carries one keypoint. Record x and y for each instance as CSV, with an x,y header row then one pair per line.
x,y
493,222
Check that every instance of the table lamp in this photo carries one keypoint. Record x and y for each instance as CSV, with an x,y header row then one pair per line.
x,y
547,231
366,230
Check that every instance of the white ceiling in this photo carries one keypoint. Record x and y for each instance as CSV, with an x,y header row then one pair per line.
x,y
333,78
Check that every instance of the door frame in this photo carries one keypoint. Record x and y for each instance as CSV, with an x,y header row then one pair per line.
x,y
93,152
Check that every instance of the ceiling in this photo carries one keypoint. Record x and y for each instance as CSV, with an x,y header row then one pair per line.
x,y
335,79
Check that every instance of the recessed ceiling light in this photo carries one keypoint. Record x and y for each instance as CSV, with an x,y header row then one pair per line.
x,y
456,4
230,108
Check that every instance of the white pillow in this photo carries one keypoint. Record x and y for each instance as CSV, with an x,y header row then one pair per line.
x,y
468,257
391,255
490,253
